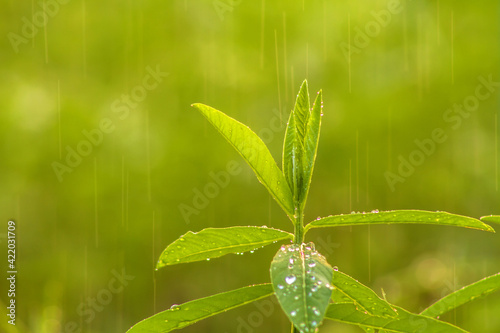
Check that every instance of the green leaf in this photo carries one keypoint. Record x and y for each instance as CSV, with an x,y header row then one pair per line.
x,y
302,110
216,242
292,157
362,296
399,216
491,218
255,153
293,147
180,316
467,294
311,143
301,279
301,142
405,321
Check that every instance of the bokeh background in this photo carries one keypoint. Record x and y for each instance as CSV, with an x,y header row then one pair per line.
x,y
88,66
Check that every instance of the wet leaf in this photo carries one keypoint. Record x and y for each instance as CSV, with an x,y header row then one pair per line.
x,y
255,153
180,316
400,216
467,294
216,242
362,296
405,321
301,279
491,218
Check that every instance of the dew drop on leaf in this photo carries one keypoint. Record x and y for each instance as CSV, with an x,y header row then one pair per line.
x,y
290,279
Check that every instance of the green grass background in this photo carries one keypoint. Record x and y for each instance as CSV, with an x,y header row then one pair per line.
x,y
119,208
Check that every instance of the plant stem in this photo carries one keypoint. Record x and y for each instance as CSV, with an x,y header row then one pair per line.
x,y
299,228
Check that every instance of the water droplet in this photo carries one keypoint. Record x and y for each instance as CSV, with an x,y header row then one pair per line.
x,y
290,279
311,264
314,288
175,307
252,251
280,286
316,311
314,323
293,313
335,268
208,259
375,211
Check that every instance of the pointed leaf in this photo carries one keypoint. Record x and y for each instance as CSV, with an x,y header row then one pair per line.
x,y
467,294
255,153
293,147
216,242
180,316
301,279
491,218
292,157
311,144
400,216
362,296
405,321
302,110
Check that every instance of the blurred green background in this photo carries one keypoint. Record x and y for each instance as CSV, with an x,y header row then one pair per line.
x,y
114,211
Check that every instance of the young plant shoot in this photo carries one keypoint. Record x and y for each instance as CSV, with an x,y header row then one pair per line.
x,y
308,289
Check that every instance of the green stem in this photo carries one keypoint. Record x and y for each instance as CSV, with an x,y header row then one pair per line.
x,y
299,228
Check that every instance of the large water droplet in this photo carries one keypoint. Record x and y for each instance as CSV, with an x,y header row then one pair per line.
x,y
290,279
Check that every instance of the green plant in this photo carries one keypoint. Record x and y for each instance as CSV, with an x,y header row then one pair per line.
x,y
306,286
